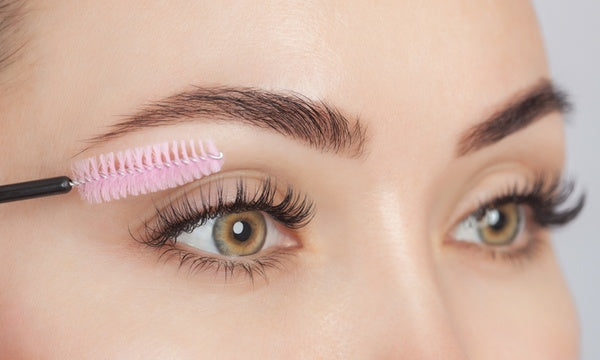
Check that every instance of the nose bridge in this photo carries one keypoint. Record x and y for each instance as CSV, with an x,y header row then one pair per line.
x,y
403,297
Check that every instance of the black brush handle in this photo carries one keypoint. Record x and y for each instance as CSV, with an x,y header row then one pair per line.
x,y
35,188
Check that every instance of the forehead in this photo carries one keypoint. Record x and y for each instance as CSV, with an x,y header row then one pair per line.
x,y
413,65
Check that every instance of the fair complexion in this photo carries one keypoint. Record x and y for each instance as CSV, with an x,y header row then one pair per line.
x,y
373,274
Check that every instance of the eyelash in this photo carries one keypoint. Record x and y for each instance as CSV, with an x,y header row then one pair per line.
x,y
294,211
545,198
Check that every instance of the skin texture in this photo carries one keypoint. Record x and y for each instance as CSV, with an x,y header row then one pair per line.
x,y
372,277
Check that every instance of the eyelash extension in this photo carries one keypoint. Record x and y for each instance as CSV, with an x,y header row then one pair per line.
x,y
294,211
546,199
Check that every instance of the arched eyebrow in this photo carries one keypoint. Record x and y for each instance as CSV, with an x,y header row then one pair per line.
x,y
523,110
318,124
313,123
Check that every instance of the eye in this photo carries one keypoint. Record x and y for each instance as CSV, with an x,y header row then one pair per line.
x,y
235,234
230,225
513,224
497,226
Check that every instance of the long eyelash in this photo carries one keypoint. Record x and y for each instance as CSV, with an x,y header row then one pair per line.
x,y
293,210
185,214
546,199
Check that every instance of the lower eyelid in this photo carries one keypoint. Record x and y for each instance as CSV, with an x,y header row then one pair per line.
x,y
252,268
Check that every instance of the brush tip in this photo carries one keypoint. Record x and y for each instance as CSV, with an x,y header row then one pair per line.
x,y
145,170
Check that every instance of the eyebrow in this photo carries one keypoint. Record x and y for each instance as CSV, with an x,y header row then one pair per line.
x,y
314,123
523,110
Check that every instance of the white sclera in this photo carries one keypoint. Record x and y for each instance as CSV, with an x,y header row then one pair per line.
x,y
467,230
201,238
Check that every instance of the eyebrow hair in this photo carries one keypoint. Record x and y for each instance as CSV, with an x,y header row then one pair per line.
x,y
12,34
312,122
542,99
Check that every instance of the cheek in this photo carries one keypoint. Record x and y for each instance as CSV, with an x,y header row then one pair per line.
x,y
525,313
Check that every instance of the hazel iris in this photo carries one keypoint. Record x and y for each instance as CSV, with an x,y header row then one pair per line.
x,y
240,234
501,224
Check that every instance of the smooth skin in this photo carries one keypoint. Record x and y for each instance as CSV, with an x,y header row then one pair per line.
x,y
373,277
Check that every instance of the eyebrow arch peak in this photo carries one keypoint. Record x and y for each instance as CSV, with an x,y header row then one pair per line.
x,y
542,99
312,122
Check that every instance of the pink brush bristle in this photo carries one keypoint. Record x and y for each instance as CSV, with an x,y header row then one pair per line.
x,y
145,170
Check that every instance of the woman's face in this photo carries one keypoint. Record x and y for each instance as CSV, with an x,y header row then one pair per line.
x,y
393,261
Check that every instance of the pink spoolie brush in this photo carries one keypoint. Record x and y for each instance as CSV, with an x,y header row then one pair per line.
x,y
131,172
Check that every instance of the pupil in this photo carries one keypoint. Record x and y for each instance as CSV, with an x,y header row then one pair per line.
x,y
496,220
241,231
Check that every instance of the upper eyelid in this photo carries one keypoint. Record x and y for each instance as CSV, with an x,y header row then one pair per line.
x,y
297,207
492,186
544,196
